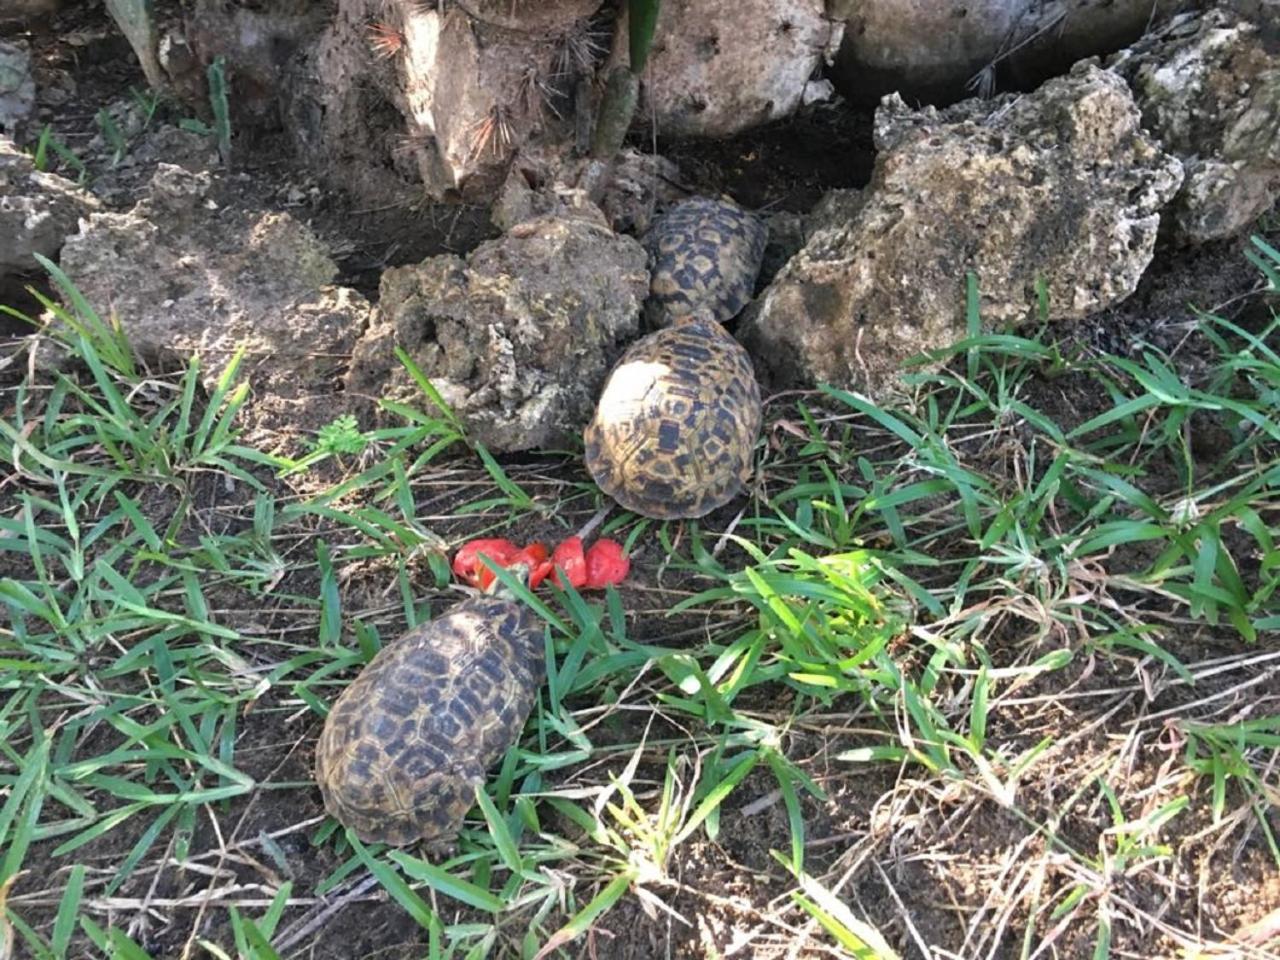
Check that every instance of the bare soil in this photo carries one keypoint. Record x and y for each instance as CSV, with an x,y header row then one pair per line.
x,y
927,865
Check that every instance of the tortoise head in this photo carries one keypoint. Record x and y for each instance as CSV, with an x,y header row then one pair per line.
x,y
704,315
519,570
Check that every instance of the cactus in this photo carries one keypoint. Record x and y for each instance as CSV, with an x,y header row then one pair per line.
x,y
622,87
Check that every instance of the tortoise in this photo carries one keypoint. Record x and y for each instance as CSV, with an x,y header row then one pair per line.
x,y
704,257
408,741
676,423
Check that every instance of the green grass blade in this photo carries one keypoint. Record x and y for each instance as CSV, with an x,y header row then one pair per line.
x,y
393,883
68,909
584,918
445,884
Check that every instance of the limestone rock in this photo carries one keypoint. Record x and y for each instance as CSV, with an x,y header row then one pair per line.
x,y
1209,88
122,183
37,211
718,67
1061,186
17,88
1054,34
518,337
544,179
184,277
788,231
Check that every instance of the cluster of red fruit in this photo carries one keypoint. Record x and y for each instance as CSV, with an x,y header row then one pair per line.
x,y
594,569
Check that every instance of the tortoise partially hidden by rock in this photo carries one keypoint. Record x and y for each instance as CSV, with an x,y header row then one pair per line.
x,y
677,422
704,258
408,741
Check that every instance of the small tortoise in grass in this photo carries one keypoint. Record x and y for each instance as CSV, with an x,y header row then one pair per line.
x,y
704,257
677,422
410,739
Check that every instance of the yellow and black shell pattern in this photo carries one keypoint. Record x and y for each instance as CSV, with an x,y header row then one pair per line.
x,y
407,742
704,257
677,422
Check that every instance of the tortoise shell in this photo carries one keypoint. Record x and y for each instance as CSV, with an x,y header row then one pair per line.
x,y
676,424
411,737
704,258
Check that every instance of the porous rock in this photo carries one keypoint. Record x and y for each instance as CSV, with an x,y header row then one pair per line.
x,y
123,182
38,210
185,277
1209,88
517,337
546,178
718,67
17,88
1055,34
1062,186
789,231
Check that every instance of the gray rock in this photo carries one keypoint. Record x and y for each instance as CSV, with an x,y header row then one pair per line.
x,y
925,49
1054,34
722,66
185,277
789,232
37,211
119,184
942,51
1209,88
836,207
518,337
545,179
1061,186
386,99
23,10
17,89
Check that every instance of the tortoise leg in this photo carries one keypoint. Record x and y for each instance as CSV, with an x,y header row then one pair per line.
x,y
468,777
439,849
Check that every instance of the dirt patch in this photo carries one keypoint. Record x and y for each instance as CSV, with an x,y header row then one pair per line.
x,y
783,166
